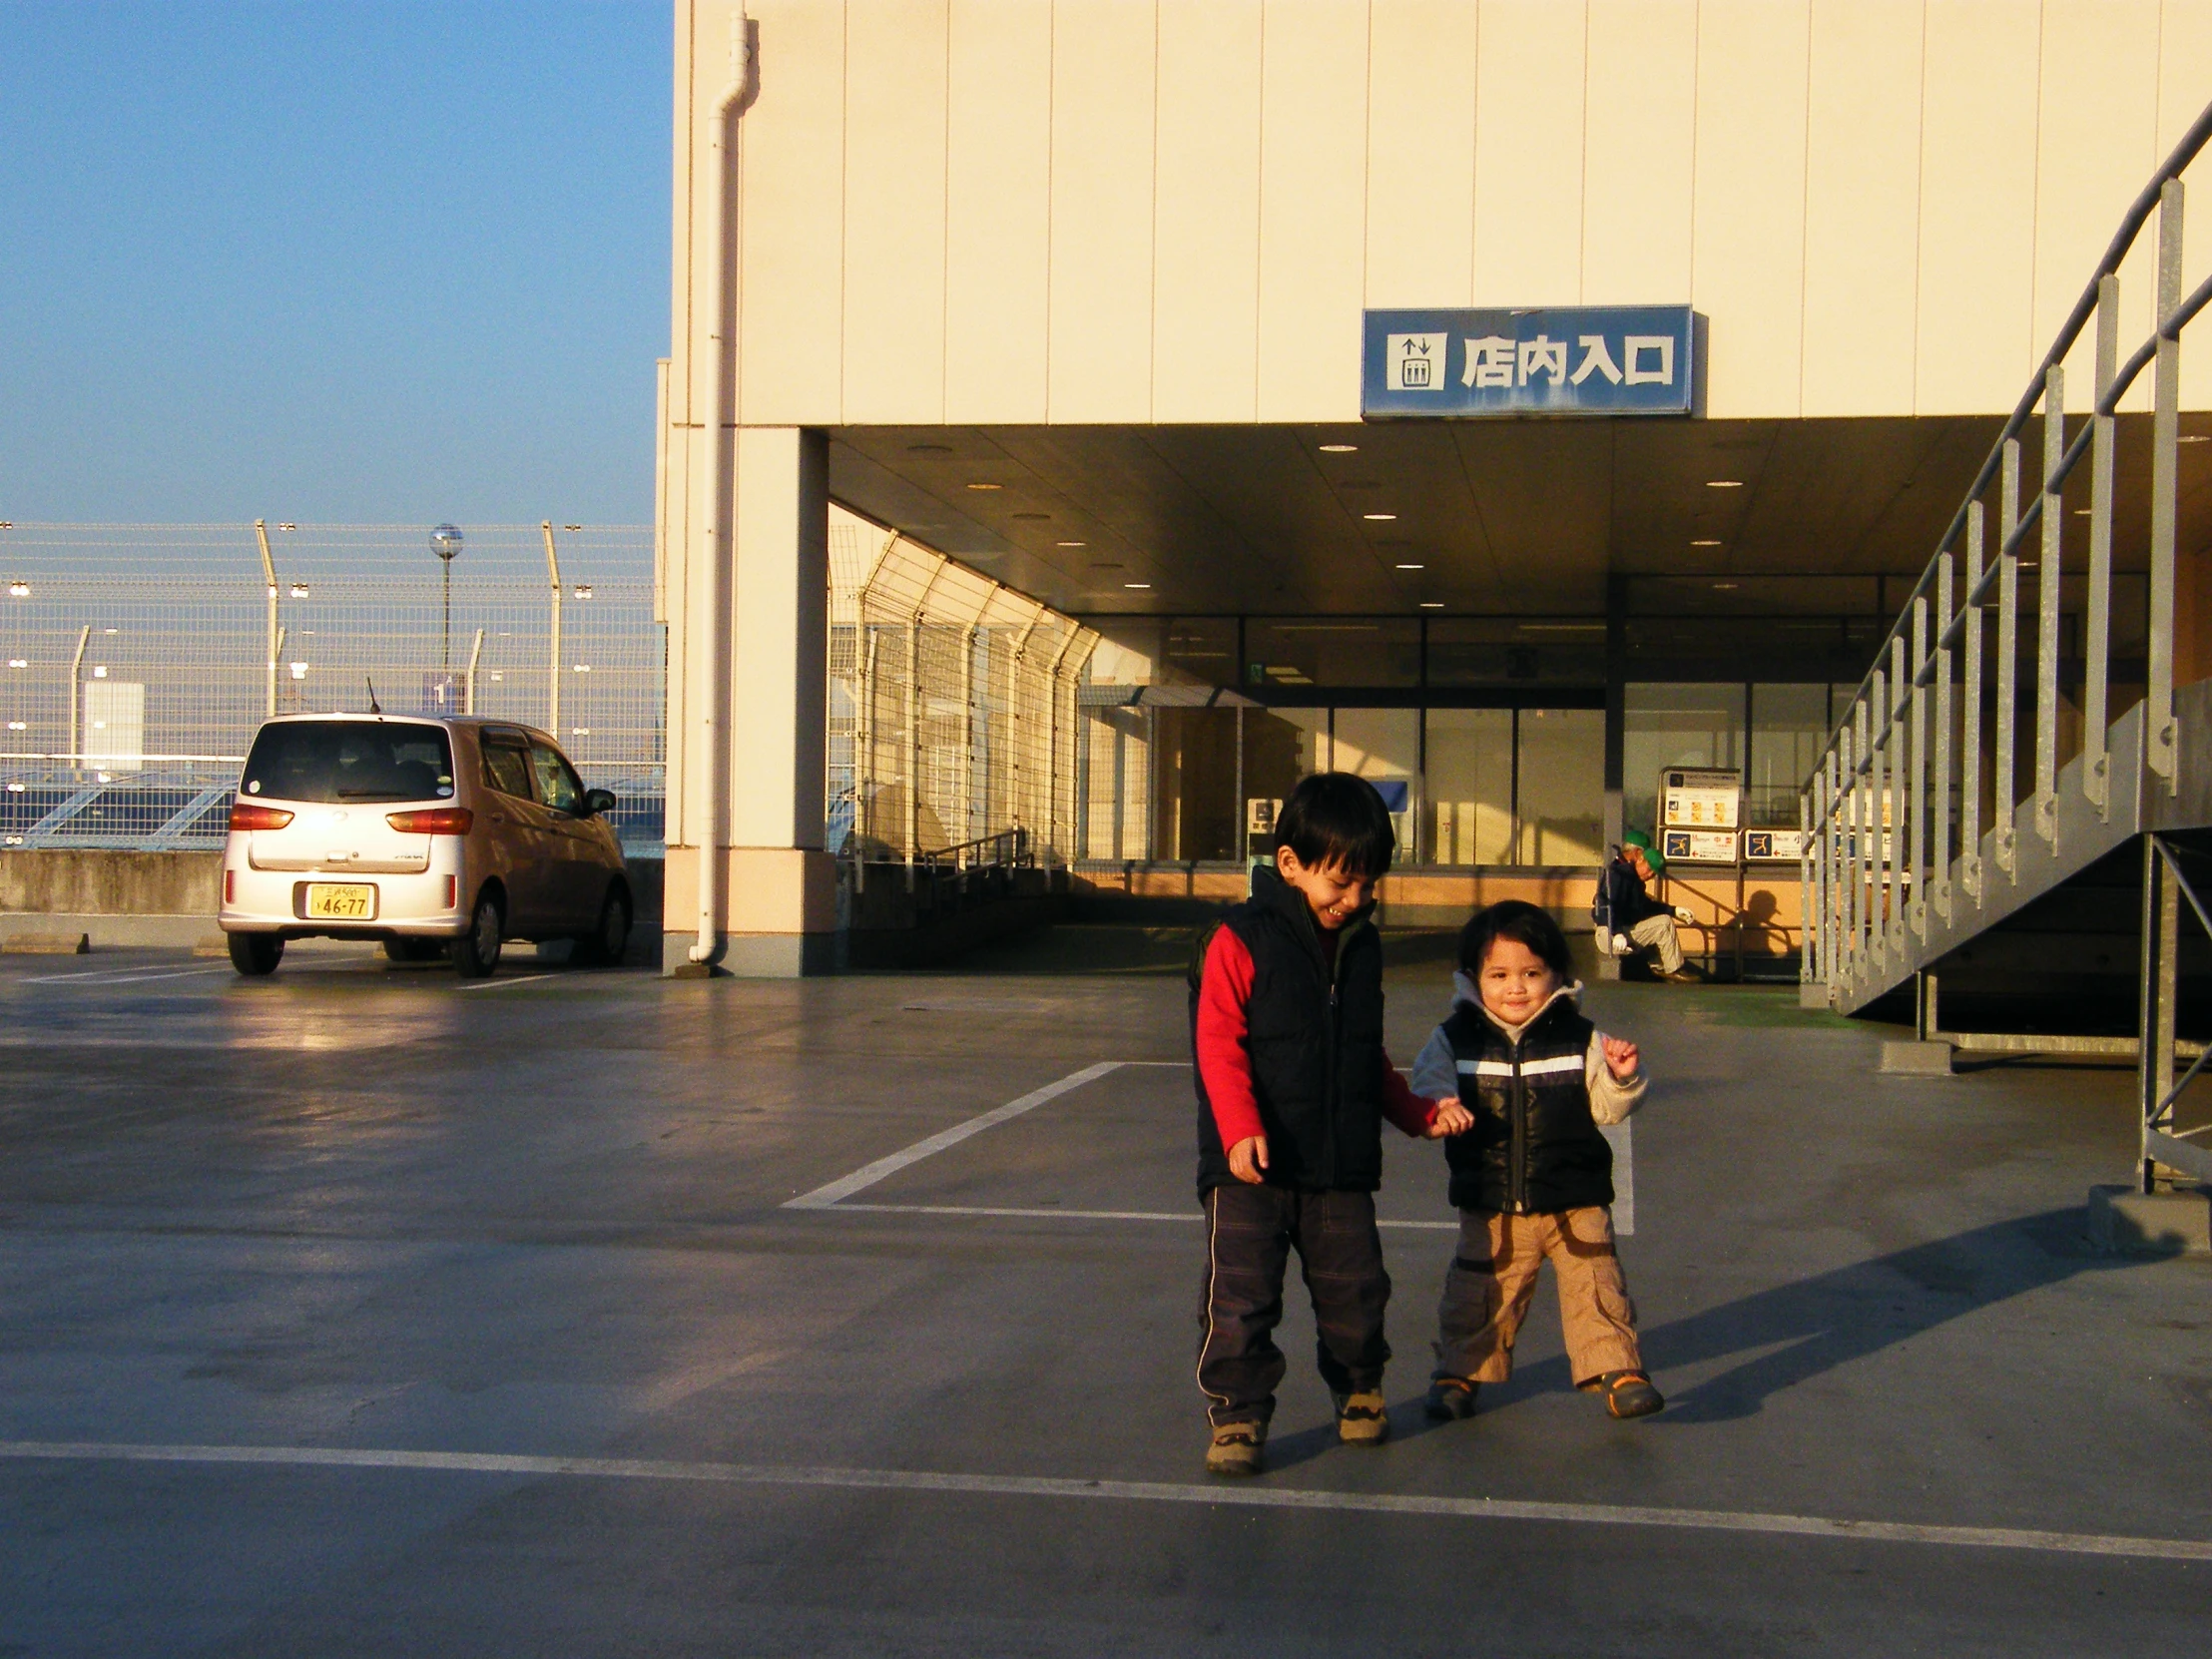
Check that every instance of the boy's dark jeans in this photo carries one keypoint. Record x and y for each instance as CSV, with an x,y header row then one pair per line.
x,y
1249,1232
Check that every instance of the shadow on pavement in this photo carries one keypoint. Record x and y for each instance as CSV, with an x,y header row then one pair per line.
x,y
1818,1324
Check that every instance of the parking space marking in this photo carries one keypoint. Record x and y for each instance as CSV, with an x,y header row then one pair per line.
x,y
503,984
1049,1214
1305,1499
95,977
823,1198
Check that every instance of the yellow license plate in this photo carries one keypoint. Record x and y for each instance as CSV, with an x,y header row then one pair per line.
x,y
328,901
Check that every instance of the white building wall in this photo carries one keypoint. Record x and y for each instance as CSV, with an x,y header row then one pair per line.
x,y
1164,210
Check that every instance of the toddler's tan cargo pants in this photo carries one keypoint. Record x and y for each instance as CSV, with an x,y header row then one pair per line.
x,y
1493,1280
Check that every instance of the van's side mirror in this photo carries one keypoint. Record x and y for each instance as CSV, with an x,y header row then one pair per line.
x,y
597,801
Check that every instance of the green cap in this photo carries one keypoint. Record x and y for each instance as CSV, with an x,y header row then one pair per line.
x,y
1652,855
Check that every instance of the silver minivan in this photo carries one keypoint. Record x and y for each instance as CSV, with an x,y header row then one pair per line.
x,y
437,836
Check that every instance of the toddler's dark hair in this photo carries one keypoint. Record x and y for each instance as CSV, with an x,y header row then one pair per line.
x,y
1333,818
1523,923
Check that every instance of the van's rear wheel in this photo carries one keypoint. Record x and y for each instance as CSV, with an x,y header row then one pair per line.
x,y
606,944
476,952
256,955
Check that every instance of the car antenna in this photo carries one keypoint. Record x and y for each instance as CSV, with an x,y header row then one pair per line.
x,y
372,705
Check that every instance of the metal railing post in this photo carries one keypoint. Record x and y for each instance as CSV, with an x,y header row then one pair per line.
x,y
1860,843
1831,865
1970,743
1940,839
2161,744
1896,822
2046,610
2097,763
1917,805
468,686
2009,663
2154,1069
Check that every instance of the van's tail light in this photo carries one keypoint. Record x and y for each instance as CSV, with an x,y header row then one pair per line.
x,y
230,886
432,820
452,892
249,814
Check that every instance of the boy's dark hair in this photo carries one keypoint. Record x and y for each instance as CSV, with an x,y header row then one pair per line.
x,y
1523,923
1333,818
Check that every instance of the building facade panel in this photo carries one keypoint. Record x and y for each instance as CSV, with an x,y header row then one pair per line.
x,y
1861,206
1528,129
1313,207
1638,166
999,211
1422,57
1206,225
1103,82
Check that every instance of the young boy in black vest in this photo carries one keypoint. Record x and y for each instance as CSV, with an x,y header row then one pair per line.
x,y
1533,1177
1293,1088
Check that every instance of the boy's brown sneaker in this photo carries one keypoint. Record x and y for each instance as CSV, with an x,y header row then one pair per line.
x,y
1451,1398
1236,1448
1629,1394
1363,1418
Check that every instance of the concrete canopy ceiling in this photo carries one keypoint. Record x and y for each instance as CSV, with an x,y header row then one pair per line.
x,y
1503,518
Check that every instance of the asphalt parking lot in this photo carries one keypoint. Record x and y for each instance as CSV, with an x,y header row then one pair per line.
x,y
363,1311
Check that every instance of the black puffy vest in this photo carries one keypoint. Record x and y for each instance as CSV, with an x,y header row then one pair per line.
x,y
1534,1148
1316,1042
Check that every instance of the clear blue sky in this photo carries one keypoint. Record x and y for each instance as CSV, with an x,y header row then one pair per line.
x,y
381,262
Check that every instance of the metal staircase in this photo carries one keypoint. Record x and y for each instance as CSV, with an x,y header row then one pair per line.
x,y
1932,841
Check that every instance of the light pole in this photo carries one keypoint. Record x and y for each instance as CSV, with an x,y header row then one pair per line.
x,y
445,542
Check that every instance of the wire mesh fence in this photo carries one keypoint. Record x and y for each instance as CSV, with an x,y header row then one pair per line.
x,y
141,658
953,707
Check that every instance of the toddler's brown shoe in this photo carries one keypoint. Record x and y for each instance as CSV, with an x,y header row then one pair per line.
x,y
1451,1398
1629,1394
1236,1448
1363,1418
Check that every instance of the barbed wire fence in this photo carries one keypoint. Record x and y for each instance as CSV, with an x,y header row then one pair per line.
x,y
139,659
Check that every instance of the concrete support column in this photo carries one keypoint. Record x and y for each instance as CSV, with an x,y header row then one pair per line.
x,y
778,887
1617,726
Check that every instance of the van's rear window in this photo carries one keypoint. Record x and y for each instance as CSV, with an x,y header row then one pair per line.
x,y
349,760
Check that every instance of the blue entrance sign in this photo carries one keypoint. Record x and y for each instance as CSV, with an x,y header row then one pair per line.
x,y
1590,359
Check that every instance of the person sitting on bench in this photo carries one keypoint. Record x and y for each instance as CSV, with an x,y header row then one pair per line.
x,y
1628,918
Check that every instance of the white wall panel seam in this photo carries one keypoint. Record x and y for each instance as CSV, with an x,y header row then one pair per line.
x,y
2028,353
944,241
1051,174
1919,212
1260,214
1152,288
1804,214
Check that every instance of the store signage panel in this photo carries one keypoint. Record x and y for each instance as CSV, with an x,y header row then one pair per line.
x,y
1763,846
1697,846
1585,360
1699,797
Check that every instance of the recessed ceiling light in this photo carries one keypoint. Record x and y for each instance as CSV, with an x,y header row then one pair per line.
x,y
1724,587
1381,518
1412,567
1339,449
1432,604
2081,512
1710,484
2193,438
1137,586
1705,543
986,486
1071,544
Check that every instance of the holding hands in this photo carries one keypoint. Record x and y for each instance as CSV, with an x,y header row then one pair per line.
x,y
1450,1118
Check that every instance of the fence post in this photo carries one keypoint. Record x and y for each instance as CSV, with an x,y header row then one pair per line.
x,y
553,647
76,699
269,576
468,689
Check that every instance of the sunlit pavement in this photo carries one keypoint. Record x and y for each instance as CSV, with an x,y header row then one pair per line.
x,y
365,1311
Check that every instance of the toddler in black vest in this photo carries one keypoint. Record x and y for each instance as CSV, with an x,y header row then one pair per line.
x,y
1292,1089
1533,1178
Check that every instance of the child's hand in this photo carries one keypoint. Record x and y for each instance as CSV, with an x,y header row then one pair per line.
x,y
1450,1118
1248,1158
1620,1058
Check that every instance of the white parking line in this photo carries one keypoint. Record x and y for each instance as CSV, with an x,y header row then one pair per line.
x,y
1259,1496
822,1197
119,976
503,984
1051,1214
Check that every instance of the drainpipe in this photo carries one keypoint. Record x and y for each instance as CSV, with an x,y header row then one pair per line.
x,y
714,230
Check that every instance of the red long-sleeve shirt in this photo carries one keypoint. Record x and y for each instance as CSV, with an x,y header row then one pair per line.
x,y
1224,1064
